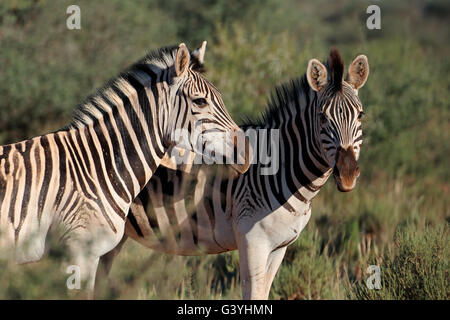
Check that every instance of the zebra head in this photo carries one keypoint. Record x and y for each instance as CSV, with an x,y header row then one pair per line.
x,y
338,114
206,127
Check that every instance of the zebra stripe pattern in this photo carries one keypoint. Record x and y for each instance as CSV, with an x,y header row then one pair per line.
x,y
85,176
208,211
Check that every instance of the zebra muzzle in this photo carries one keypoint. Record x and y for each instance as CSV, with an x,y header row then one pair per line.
x,y
243,152
346,170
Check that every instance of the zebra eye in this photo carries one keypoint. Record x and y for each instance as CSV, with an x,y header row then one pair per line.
x,y
200,102
360,115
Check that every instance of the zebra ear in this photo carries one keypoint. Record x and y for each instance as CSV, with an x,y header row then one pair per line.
x,y
199,53
182,60
358,72
316,75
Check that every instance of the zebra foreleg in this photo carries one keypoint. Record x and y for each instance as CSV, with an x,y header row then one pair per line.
x,y
273,264
107,259
84,266
105,266
253,257
86,250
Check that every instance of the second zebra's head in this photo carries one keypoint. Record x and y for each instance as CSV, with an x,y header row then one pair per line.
x,y
200,121
339,113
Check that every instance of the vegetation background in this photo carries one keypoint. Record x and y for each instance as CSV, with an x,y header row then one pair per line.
x,y
397,217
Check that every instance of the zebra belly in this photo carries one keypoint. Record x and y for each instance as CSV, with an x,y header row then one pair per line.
x,y
181,245
187,237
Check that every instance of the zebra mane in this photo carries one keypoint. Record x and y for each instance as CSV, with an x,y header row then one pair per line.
x,y
283,97
335,67
163,58
297,92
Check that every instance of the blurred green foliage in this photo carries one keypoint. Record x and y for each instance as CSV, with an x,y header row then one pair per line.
x,y
418,270
403,191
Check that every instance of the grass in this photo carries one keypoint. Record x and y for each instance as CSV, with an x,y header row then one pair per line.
x,y
418,267
398,215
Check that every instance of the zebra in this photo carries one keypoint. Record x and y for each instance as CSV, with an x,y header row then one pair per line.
x,y
207,211
85,176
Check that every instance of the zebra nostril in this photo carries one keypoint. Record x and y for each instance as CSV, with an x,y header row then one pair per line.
x,y
338,153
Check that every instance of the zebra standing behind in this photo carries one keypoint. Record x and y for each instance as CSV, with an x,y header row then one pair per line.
x,y
85,176
318,118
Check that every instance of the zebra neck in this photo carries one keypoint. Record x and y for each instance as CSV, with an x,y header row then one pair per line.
x,y
302,169
124,134
305,169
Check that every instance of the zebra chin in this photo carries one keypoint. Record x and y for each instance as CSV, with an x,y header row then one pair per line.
x,y
346,186
240,168
237,155
244,156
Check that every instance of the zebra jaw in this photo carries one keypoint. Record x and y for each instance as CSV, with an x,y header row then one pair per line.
x,y
178,158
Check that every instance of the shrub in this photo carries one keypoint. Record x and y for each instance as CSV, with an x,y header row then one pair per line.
x,y
418,270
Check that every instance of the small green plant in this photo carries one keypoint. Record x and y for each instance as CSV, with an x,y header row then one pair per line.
x,y
419,269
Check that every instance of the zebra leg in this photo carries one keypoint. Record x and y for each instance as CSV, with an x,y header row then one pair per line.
x,y
273,264
252,264
31,249
85,263
87,245
89,268
107,259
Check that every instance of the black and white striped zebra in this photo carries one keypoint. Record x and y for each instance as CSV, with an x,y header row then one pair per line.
x,y
85,176
206,211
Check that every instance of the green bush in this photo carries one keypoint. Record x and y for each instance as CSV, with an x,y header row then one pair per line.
x,y
419,269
